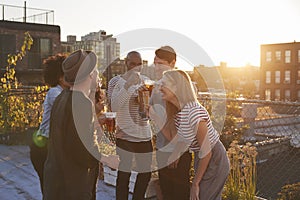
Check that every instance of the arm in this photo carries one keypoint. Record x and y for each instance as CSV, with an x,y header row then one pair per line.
x,y
88,137
157,111
203,141
110,88
121,95
166,126
47,106
169,131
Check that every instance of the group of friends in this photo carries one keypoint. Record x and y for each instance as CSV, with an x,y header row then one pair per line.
x,y
68,165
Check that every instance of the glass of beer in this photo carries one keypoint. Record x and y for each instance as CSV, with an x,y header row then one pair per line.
x,y
110,121
109,126
144,97
149,85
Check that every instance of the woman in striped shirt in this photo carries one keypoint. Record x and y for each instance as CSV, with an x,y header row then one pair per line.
x,y
195,130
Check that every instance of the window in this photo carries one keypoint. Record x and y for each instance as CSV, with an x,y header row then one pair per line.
x,y
7,46
277,94
69,49
287,95
40,50
277,76
45,47
268,77
298,95
269,56
298,77
278,55
287,77
298,56
288,56
268,95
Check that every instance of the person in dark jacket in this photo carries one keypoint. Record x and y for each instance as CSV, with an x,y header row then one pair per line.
x,y
73,154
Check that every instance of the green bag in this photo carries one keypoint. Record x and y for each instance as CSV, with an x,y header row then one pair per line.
x,y
38,139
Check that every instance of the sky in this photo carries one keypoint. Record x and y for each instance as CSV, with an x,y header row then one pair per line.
x,y
228,31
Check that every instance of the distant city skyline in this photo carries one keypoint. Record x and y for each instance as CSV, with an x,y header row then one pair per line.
x,y
229,31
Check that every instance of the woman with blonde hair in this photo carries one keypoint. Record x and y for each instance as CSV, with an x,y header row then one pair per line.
x,y
194,129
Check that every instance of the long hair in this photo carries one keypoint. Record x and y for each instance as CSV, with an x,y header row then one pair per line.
x,y
179,82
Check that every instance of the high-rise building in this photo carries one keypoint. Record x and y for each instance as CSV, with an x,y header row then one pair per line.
x,y
68,46
105,47
280,72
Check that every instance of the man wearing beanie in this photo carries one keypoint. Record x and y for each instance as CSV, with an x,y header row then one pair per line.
x,y
73,155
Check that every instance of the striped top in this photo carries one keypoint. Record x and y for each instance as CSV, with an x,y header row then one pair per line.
x,y
129,122
111,84
187,121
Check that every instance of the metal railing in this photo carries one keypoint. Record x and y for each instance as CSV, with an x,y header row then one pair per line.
x,y
26,14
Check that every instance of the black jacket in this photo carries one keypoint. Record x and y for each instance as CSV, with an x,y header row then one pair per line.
x,y
70,169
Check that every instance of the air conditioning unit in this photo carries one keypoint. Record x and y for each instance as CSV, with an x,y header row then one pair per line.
x,y
286,81
298,81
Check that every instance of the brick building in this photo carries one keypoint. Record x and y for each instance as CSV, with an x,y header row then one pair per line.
x,y
280,72
46,42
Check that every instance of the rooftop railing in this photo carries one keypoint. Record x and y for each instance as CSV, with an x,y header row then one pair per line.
x,y
26,14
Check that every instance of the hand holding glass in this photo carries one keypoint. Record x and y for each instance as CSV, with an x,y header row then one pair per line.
x,y
144,97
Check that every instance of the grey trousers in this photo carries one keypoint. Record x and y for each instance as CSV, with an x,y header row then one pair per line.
x,y
214,178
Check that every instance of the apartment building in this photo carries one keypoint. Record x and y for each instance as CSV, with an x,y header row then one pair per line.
x,y
105,47
280,72
68,46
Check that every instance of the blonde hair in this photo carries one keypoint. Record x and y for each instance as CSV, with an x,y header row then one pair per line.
x,y
179,82
181,85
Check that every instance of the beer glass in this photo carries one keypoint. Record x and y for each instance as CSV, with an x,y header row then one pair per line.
x,y
110,125
149,85
110,121
144,97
